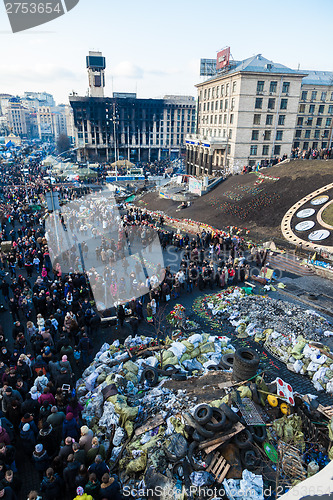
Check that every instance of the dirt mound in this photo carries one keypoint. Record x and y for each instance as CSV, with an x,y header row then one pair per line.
x,y
257,201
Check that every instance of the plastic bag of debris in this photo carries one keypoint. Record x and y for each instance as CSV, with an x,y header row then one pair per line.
x,y
250,487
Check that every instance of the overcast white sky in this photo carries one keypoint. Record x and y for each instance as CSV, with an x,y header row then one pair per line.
x,y
154,48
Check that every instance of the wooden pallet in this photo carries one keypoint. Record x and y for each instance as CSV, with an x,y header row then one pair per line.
x,y
327,411
291,462
218,467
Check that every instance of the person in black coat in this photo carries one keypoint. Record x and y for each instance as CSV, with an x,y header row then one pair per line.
x,y
40,459
48,438
51,486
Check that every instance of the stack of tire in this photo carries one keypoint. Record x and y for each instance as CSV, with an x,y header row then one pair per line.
x,y
208,421
249,454
245,364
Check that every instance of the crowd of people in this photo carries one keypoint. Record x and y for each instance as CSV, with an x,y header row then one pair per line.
x,y
312,154
51,298
44,346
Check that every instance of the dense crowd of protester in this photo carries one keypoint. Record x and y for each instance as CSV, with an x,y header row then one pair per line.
x,y
54,320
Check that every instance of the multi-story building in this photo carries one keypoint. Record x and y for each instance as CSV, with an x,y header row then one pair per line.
x,y
37,99
314,123
124,126
4,102
70,123
246,114
51,122
18,118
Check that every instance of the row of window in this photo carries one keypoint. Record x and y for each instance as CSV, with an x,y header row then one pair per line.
x,y
273,87
316,133
271,103
312,108
314,94
213,119
267,135
219,91
309,121
313,145
265,150
216,133
214,105
269,119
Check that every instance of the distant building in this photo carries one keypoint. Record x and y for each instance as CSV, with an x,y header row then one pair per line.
x,y
4,101
314,123
246,114
18,119
51,122
127,127
39,99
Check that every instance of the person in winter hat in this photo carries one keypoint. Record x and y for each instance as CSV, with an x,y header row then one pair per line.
x,y
86,438
4,437
81,495
70,427
40,459
28,438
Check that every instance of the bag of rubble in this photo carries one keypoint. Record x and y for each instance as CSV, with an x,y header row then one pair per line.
x,y
131,371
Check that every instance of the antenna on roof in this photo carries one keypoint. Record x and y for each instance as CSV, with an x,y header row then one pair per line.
x,y
299,66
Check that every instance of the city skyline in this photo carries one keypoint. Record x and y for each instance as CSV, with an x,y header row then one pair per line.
x,y
154,49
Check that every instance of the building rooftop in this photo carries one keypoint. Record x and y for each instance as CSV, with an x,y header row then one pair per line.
x,y
318,78
256,64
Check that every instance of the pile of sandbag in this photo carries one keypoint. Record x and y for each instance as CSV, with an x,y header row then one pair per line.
x,y
301,356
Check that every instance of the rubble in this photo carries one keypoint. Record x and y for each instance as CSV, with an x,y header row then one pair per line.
x,y
290,333
161,430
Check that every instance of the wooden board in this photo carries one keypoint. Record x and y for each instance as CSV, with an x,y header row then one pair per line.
x,y
220,439
218,467
326,410
151,424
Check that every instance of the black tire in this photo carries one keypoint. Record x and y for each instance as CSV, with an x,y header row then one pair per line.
x,y
179,376
229,413
259,433
227,361
204,432
250,458
244,439
248,358
203,413
197,437
150,375
221,420
255,395
168,370
192,449
214,367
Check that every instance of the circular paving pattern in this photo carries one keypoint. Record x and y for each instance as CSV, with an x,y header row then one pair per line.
x,y
313,233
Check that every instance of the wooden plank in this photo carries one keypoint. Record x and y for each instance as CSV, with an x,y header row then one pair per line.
x,y
221,466
215,457
224,473
217,465
212,448
149,425
222,438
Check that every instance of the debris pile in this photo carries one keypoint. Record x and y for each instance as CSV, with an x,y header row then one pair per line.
x,y
172,416
289,333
